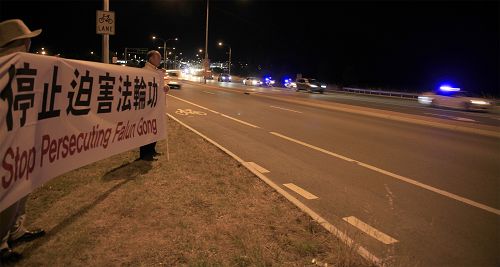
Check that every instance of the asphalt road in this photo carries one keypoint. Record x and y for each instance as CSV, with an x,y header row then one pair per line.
x,y
406,106
407,193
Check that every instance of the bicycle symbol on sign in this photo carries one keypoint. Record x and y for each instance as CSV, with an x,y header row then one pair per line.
x,y
187,112
105,18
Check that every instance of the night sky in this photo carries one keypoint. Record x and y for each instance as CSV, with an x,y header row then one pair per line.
x,y
405,45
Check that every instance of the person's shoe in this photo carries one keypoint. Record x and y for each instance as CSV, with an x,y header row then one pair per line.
x,y
148,158
157,154
27,237
8,255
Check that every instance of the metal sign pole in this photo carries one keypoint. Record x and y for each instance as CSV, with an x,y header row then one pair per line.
x,y
105,39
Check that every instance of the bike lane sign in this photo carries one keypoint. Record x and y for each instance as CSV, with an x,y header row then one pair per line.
x,y
105,22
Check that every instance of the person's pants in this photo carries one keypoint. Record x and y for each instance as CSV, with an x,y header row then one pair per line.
x,y
12,222
147,150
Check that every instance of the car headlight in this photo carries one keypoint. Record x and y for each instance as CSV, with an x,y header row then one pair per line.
x,y
173,82
272,82
424,100
323,86
479,102
293,84
254,82
313,85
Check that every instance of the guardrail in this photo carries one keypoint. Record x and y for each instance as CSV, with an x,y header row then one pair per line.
x,y
376,92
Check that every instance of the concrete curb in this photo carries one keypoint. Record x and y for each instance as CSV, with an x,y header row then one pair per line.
x,y
363,252
389,115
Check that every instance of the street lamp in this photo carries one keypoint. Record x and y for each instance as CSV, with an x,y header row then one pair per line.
x,y
206,65
229,66
165,47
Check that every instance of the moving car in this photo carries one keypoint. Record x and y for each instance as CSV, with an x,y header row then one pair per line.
x,y
252,81
450,97
289,83
172,78
268,81
310,85
224,77
209,75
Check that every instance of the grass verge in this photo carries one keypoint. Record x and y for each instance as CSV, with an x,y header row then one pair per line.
x,y
200,208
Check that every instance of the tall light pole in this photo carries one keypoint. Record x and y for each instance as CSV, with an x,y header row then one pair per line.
x,y
229,66
205,65
164,50
165,47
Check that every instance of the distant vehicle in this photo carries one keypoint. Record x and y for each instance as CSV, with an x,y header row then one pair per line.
x,y
209,75
172,78
289,83
224,77
268,81
450,97
310,85
252,81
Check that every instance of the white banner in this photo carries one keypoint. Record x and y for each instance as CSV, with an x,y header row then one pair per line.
x,y
57,115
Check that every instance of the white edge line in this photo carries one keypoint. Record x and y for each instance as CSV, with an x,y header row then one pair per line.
x,y
399,177
216,112
297,189
370,230
363,252
258,167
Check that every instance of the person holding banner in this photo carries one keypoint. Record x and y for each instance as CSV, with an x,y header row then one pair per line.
x,y
148,152
15,36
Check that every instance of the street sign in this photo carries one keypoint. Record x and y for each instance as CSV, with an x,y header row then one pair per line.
x,y
105,22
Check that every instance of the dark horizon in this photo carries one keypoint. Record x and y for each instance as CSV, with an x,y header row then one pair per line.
x,y
411,46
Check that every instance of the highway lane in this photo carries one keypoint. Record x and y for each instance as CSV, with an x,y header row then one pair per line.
x,y
431,228
384,103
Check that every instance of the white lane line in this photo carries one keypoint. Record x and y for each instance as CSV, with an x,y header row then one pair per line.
x,y
451,117
291,110
399,177
369,230
258,167
240,121
342,236
207,92
300,191
213,111
216,112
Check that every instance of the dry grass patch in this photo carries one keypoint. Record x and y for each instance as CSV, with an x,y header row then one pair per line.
x,y
201,208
